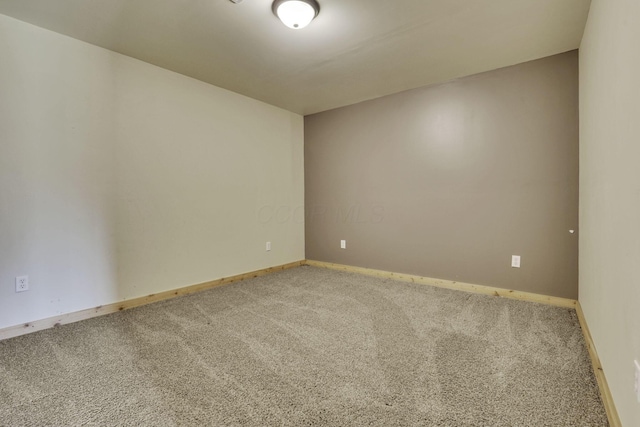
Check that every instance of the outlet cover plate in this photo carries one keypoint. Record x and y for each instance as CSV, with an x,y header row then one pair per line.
x,y
22,283
515,261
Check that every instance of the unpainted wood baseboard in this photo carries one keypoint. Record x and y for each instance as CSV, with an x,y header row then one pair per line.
x,y
448,284
51,322
605,392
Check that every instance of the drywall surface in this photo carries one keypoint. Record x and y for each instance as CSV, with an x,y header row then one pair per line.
x,y
119,179
57,211
201,173
450,181
610,193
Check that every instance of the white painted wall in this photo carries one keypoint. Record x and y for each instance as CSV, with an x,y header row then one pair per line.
x,y
119,179
610,193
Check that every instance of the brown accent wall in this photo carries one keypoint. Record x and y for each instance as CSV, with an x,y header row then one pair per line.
x,y
449,181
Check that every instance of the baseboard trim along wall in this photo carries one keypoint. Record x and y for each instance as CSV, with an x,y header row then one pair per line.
x,y
51,322
603,386
605,392
448,284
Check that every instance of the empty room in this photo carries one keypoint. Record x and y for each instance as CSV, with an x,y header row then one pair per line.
x,y
319,212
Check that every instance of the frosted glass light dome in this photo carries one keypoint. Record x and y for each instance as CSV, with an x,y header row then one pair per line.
x,y
296,14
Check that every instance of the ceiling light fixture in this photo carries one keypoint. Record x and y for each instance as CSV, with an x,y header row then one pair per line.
x,y
296,14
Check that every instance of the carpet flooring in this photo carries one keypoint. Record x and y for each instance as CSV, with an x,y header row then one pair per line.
x,y
307,347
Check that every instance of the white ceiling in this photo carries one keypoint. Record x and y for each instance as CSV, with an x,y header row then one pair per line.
x,y
354,50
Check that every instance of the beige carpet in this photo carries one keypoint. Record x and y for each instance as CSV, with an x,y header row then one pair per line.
x,y
307,346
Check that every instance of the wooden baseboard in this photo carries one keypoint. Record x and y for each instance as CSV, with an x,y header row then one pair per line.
x,y
458,286
51,322
605,392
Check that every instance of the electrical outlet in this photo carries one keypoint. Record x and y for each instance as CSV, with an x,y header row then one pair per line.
x,y
637,383
343,244
268,246
515,261
22,283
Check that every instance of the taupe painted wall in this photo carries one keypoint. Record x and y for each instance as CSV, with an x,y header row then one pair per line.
x,y
449,181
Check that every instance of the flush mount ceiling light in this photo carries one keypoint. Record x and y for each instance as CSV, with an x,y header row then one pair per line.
x,y
296,14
